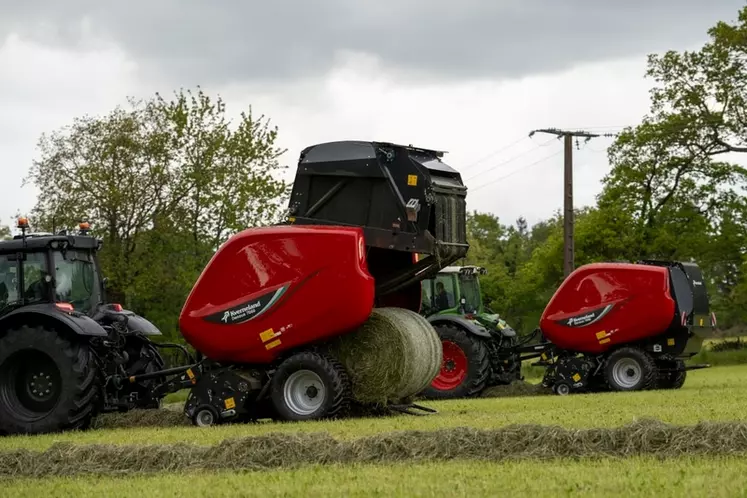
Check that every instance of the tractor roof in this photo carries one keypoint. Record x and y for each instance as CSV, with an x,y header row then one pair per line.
x,y
467,269
41,241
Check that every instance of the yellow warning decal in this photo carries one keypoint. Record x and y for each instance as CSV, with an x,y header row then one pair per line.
x,y
412,180
543,356
670,342
229,403
701,322
576,377
602,334
605,341
273,344
292,219
267,335
191,375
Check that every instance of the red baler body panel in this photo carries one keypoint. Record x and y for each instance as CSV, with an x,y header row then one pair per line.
x,y
270,289
606,304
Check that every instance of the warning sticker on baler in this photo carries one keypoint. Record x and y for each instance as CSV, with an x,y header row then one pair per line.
x,y
267,335
248,310
272,344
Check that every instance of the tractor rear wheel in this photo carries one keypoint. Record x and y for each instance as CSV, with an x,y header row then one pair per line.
x,y
630,369
465,367
48,383
310,386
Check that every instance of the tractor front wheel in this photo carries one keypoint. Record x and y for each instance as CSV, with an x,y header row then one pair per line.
x,y
47,382
465,367
630,369
310,386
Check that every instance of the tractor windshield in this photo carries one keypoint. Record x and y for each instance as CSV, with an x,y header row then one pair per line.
x,y
76,280
470,290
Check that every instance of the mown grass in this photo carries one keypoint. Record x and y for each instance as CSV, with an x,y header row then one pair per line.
x,y
639,476
708,395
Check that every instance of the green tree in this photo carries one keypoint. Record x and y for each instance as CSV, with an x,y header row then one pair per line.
x,y
164,182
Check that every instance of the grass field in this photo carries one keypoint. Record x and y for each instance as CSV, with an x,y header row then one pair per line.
x,y
715,394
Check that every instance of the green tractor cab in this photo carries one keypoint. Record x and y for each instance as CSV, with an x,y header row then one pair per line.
x,y
478,344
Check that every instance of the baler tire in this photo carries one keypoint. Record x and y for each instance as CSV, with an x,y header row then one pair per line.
x,y
649,371
478,364
328,370
212,416
672,380
67,369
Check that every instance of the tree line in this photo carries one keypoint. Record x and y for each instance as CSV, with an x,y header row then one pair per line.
x,y
165,181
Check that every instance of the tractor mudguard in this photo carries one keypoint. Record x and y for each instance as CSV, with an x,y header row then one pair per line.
x,y
80,324
141,325
461,322
136,324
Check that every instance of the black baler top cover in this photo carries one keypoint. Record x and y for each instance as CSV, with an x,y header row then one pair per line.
x,y
406,198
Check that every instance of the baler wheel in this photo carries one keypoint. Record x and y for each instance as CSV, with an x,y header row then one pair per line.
x,y
310,386
465,367
205,416
673,380
630,369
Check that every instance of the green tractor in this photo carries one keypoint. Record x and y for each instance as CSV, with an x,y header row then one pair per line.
x,y
479,347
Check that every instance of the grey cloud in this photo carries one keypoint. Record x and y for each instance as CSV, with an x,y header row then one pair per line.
x,y
219,41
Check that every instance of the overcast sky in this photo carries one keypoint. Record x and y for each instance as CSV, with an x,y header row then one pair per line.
x,y
470,77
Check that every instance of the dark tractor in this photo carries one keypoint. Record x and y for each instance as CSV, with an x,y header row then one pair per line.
x,y
60,342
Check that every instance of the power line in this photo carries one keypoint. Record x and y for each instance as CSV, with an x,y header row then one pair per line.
x,y
512,159
568,136
498,151
516,171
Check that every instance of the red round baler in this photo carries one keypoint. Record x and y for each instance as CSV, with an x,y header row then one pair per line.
x,y
271,289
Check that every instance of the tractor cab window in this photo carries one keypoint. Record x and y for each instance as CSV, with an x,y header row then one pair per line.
x,y
444,296
35,273
426,288
8,281
76,280
469,287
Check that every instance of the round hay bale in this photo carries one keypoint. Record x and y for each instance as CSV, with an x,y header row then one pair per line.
x,y
430,351
391,357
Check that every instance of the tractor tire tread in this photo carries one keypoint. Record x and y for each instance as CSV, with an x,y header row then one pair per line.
x,y
477,358
76,362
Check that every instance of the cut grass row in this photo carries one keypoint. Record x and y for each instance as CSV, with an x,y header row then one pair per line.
x,y
633,477
708,395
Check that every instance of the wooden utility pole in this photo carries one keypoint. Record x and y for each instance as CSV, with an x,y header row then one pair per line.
x,y
568,136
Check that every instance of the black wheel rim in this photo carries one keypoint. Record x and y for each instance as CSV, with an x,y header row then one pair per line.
x,y
30,384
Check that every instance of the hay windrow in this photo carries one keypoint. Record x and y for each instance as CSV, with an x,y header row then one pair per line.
x,y
388,357
275,451
165,417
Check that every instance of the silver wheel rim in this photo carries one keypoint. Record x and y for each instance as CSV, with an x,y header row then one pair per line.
x,y
205,418
627,373
304,392
562,389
